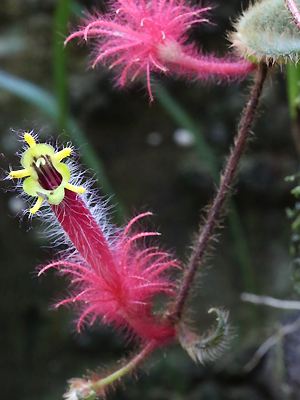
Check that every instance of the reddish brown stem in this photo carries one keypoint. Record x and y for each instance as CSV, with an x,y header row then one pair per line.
x,y
292,7
214,214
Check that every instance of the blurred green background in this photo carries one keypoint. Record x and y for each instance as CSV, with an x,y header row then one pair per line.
x,y
164,157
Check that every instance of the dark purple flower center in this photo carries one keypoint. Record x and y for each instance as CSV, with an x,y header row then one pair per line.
x,y
48,177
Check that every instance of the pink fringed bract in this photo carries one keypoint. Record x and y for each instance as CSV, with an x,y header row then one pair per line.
x,y
138,37
118,281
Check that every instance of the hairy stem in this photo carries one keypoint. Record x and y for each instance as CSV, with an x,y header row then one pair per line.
x,y
92,389
206,233
206,154
99,385
292,6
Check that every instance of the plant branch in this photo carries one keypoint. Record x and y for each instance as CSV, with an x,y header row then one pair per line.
x,y
212,221
206,154
291,5
128,368
270,342
271,301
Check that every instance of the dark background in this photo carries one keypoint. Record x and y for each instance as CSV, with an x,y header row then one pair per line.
x,y
148,168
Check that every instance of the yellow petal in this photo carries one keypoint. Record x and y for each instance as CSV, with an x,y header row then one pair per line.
x,y
21,173
75,189
29,139
37,205
64,153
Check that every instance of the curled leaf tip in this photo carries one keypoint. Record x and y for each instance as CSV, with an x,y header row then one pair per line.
x,y
210,346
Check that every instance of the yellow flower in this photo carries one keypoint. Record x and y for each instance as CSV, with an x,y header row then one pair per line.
x,y
46,175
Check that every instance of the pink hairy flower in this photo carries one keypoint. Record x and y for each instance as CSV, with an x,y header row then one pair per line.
x,y
115,281
138,37
113,275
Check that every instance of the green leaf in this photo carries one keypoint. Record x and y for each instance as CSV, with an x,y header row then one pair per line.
x,y
296,191
293,87
62,14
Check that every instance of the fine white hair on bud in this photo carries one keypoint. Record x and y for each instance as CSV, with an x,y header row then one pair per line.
x,y
267,32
